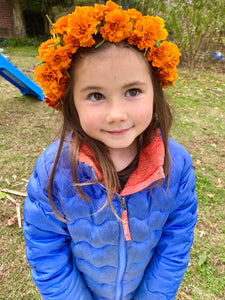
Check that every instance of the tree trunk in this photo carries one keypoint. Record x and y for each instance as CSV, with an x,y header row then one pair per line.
x,y
18,19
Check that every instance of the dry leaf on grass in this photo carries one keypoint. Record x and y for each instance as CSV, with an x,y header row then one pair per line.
x,y
11,221
210,195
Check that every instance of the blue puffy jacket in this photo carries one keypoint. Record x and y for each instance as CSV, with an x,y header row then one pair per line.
x,y
88,257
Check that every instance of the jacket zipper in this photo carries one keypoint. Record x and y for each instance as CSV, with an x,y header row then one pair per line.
x,y
121,265
122,250
125,222
124,232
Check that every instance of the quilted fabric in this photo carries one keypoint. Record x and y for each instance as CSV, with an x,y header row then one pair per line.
x,y
88,257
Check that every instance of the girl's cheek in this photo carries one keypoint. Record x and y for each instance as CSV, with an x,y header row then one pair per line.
x,y
89,120
143,113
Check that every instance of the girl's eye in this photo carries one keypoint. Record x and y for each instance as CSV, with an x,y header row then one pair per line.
x,y
96,96
132,92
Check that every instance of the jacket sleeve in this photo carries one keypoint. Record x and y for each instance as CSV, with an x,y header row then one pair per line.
x,y
48,244
164,274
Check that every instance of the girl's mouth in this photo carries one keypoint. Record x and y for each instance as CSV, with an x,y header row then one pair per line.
x,y
118,132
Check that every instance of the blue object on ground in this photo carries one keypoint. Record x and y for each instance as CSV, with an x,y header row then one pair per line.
x,y
217,56
17,78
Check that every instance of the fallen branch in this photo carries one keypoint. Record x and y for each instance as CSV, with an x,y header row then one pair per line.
x,y
18,215
11,199
14,192
215,90
25,180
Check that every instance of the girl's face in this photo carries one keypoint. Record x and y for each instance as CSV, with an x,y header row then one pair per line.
x,y
113,95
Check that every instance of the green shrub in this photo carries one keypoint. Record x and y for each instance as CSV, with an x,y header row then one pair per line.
x,y
195,25
20,42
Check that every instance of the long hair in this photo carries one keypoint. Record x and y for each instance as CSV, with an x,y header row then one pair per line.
x,y
161,120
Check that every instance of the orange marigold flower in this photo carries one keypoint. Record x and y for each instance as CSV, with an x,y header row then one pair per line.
x,y
149,30
60,26
54,104
117,27
53,83
161,32
165,56
146,34
100,12
57,57
82,25
71,43
110,6
134,15
44,47
135,37
167,77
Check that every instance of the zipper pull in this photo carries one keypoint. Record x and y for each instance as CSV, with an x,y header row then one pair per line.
x,y
125,223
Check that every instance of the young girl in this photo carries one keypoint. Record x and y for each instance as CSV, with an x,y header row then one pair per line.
x,y
111,207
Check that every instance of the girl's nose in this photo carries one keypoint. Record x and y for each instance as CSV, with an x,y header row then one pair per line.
x,y
116,112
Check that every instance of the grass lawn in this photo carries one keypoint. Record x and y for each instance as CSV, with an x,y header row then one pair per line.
x,y
28,126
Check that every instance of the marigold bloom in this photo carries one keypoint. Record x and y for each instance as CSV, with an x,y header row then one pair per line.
x,y
101,10
161,32
71,43
165,56
57,57
44,47
110,6
135,38
53,83
82,25
60,26
134,15
167,77
117,27
136,35
151,31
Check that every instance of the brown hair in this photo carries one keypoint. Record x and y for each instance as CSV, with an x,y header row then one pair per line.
x,y
162,119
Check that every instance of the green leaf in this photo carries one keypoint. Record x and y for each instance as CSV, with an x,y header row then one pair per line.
x,y
2,195
203,258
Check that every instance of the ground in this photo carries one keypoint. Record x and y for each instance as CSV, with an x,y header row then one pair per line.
x,y
28,126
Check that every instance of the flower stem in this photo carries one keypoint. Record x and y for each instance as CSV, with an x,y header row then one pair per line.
x,y
102,42
49,20
67,73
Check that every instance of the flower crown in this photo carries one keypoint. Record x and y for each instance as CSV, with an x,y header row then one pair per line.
x,y
114,25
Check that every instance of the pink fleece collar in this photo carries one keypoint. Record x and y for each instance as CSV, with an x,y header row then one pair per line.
x,y
149,170
150,167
